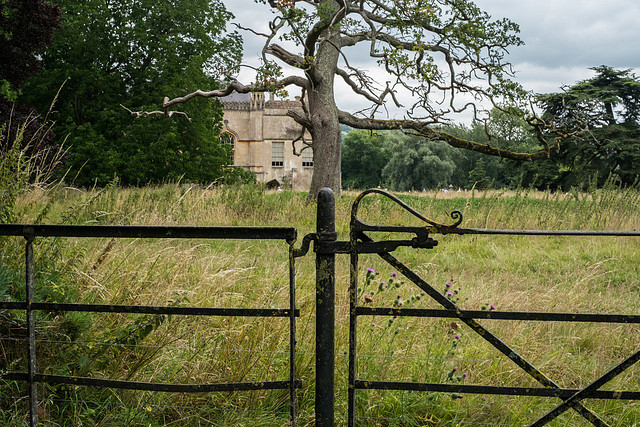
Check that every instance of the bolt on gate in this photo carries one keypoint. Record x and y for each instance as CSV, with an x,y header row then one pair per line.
x,y
326,247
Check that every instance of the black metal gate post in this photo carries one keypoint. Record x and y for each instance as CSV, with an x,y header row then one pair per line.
x,y
29,235
325,309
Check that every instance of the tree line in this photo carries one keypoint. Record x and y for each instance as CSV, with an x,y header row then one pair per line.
x,y
608,148
105,65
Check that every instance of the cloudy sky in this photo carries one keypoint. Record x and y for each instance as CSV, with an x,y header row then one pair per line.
x,y
563,38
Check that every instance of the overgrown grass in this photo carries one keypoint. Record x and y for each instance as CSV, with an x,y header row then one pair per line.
x,y
560,274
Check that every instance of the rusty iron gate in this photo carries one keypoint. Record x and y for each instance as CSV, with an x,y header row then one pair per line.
x,y
326,247
33,377
361,243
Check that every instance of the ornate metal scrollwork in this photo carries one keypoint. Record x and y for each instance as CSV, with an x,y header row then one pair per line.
x,y
433,226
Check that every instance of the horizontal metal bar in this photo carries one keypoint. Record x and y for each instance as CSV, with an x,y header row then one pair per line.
x,y
138,385
498,315
578,233
588,391
147,309
481,389
152,232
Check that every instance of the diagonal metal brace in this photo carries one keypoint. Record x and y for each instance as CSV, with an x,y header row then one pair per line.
x,y
587,391
485,333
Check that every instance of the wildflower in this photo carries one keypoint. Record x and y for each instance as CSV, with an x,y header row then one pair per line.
x,y
370,270
449,294
393,274
398,302
464,375
448,285
457,336
493,307
373,323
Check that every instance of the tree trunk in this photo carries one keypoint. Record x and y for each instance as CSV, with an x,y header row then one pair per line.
x,y
325,124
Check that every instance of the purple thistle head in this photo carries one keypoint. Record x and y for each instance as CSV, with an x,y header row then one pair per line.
x,y
492,307
450,294
464,375
457,336
373,323
393,274
370,270
448,285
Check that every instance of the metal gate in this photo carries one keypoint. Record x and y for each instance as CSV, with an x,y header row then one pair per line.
x,y
326,247
33,377
360,243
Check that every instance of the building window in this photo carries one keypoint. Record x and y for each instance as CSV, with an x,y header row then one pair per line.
x,y
307,157
277,154
229,138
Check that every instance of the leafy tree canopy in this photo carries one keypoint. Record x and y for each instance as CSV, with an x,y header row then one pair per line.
x,y
26,27
609,108
113,56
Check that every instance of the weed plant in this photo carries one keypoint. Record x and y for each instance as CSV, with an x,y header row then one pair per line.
x,y
515,273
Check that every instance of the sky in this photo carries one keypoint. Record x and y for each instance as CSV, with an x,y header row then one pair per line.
x,y
562,39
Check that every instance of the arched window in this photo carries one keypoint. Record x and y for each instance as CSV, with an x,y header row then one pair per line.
x,y
229,138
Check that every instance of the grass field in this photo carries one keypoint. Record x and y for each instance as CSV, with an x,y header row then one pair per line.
x,y
515,273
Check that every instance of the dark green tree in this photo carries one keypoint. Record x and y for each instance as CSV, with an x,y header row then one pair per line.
x,y
363,158
609,105
415,165
26,27
111,58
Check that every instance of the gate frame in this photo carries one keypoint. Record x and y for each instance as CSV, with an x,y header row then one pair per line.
x,y
326,247
360,243
30,306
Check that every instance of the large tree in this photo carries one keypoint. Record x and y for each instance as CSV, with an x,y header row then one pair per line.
x,y
114,56
448,55
26,27
609,145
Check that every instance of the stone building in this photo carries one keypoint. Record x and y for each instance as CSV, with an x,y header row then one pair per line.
x,y
261,136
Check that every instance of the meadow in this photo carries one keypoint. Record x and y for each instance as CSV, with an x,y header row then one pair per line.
x,y
514,273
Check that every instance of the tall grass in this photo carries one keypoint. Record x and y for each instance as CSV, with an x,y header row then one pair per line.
x,y
599,275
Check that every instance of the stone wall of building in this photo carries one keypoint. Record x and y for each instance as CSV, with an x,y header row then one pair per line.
x,y
258,125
